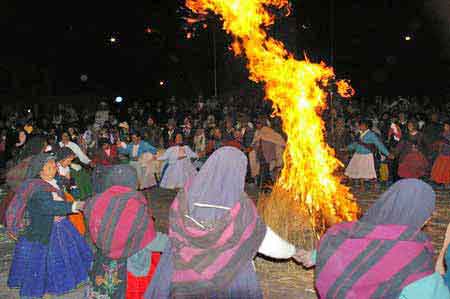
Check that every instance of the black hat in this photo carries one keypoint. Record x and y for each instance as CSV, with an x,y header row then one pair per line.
x,y
63,153
103,141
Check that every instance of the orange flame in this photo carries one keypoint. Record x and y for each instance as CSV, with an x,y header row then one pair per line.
x,y
294,87
194,20
345,89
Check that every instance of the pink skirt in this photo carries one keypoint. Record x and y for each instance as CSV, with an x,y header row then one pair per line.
x,y
361,166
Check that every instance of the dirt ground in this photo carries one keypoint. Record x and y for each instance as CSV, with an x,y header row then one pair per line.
x,y
277,281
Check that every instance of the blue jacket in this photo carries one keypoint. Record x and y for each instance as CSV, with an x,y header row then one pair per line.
x,y
144,147
370,138
42,209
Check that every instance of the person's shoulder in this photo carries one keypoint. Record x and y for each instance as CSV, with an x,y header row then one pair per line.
x,y
431,286
371,134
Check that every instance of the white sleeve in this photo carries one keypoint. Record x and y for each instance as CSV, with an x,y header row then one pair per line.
x,y
275,247
79,153
190,153
166,155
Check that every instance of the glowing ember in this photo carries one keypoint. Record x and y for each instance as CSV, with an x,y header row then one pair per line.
x,y
344,89
295,89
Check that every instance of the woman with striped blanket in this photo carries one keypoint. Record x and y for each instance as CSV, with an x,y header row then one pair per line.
x,y
16,174
214,234
385,254
121,226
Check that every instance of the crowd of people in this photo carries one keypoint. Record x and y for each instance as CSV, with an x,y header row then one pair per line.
x,y
393,140
78,213
408,138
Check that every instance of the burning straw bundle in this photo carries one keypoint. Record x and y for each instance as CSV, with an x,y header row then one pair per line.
x,y
285,216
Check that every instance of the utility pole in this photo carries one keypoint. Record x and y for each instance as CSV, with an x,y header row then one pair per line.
x,y
332,38
332,44
215,59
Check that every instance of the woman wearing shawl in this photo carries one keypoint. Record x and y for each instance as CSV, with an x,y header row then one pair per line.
x,y
362,164
412,161
339,139
214,234
441,168
141,156
267,156
178,168
106,154
128,247
17,173
385,254
74,177
22,139
200,147
50,256
215,141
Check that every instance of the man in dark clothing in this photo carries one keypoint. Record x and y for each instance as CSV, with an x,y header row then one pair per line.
x,y
169,133
432,134
228,132
433,130
249,134
152,133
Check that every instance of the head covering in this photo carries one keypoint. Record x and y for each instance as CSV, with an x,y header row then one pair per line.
x,y
366,121
213,243
18,172
37,163
105,177
171,122
375,247
119,219
34,146
64,153
124,125
221,181
408,202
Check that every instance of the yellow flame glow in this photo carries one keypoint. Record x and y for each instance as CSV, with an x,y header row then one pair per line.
x,y
295,88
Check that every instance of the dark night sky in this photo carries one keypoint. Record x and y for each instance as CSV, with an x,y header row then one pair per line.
x,y
64,40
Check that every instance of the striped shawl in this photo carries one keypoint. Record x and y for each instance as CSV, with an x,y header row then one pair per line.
x,y
207,260
15,214
360,260
17,174
120,222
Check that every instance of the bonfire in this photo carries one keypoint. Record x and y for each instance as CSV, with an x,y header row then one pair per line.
x,y
308,196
